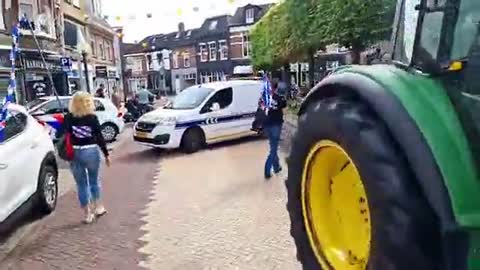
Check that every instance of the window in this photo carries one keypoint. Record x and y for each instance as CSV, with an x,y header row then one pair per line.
x,y
27,7
2,20
245,45
15,125
466,30
190,98
223,97
223,47
102,50
203,52
213,25
137,65
175,60
186,59
212,47
52,106
250,15
92,46
405,34
109,51
76,3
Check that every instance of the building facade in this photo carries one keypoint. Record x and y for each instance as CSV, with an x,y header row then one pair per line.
x,y
213,50
184,59
101,39
239,29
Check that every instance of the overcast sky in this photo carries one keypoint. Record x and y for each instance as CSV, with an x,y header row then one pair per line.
x,y
166,14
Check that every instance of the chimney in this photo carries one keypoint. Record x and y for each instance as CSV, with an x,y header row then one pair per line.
x,y
181,27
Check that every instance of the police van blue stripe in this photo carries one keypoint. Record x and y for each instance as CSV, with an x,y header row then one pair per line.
x,y
204,122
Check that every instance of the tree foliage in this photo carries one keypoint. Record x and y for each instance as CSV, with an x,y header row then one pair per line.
x,y
295,28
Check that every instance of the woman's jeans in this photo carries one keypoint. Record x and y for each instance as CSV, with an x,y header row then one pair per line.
x,y
85,167
273,133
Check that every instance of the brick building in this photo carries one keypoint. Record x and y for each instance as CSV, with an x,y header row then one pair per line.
x,y
239,28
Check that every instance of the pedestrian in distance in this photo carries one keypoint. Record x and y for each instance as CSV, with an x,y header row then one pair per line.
x,y
100,93
272,126
86,138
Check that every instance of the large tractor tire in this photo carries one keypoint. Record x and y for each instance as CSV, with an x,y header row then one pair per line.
x,y
353,200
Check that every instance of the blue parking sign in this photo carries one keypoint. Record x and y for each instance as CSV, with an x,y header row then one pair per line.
x,y
66,63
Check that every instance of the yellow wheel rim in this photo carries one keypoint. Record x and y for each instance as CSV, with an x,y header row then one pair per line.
x,y
335,208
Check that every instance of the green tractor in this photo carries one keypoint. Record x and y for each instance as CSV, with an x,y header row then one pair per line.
x,y
384,167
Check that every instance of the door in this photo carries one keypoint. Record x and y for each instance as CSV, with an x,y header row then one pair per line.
x,y
246,99
218,121
16,169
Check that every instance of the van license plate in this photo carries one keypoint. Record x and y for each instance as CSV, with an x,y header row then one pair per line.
x,y
141,134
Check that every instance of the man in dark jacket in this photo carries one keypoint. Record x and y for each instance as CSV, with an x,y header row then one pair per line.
x,y
273,128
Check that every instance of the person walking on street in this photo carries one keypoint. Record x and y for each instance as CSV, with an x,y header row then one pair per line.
x,y
100,93
272,127
86,137
144,98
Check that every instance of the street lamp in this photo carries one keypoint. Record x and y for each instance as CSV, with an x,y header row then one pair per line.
x,y
84,48
85,67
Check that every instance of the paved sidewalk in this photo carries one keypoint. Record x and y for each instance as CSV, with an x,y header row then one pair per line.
x,y
62,242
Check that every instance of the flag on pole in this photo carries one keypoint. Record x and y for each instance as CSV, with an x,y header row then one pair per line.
x,y
266,94
12,86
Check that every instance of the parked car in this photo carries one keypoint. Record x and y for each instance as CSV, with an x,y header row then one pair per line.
x,y
110,118
28,168
202,114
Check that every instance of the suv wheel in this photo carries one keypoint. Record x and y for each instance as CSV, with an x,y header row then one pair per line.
x,y
47,190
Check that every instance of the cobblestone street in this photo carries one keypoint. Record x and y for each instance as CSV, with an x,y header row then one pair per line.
x,y
213,210
168,210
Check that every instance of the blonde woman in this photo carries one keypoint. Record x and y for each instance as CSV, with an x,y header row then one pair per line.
x,y
86,137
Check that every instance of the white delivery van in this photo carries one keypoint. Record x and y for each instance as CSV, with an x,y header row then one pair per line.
x,y
200,115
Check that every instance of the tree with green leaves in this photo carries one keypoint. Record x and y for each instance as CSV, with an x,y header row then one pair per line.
x,y
295,29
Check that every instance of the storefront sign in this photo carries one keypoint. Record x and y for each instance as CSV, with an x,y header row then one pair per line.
x,y
38,64
101,72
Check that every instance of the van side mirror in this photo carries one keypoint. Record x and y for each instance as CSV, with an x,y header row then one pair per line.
x,y
215,107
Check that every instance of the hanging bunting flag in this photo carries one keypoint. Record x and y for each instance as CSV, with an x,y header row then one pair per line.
x,y
196,9
266,94
231,2
179,12
12,86
149,15
118,18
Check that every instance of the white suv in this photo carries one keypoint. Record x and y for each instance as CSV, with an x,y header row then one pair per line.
x,y
28,168
111,120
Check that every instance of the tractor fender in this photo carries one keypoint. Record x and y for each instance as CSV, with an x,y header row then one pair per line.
x,y
393,94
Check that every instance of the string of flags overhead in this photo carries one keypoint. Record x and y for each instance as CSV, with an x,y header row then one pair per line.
x,y
180,11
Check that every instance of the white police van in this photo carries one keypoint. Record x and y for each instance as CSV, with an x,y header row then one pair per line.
x,y
200,115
